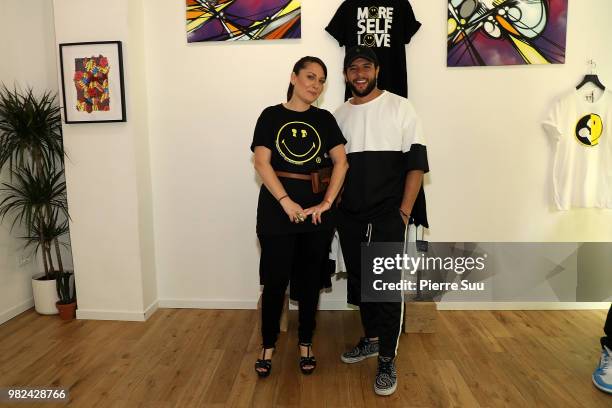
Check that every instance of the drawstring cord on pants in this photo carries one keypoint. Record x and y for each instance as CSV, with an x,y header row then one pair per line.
x,y
369,233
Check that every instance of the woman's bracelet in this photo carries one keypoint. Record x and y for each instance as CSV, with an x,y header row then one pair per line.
x,y
404,214
285,196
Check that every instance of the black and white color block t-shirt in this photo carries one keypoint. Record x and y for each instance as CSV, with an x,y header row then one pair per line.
x,y
299,142
386,26
384,142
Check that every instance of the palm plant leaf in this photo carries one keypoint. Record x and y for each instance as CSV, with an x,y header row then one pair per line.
x,y
49,230
32,150
30,128
33,196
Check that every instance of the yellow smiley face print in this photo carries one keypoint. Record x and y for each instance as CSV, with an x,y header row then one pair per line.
x,y
589,129
298,142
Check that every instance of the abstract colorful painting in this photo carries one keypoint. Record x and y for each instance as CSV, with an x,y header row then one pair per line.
x,y
506,32
237,20
91,83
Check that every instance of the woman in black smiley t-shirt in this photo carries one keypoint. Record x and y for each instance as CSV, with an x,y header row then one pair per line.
x,y
292,141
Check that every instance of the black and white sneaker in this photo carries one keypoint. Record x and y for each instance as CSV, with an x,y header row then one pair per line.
x,y
364,349
386,377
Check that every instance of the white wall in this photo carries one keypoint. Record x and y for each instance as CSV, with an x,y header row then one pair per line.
x,y
204,99
490,159
108,176
137,87
28,59
27,46
163,206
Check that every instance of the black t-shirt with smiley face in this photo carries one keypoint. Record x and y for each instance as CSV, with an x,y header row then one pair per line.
x,y
300,142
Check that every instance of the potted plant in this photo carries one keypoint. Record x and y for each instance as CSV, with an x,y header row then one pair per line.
x,y
66,305
61,297
32,152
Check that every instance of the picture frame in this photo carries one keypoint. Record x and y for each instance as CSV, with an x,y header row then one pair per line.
x,y
93,89
502,33
243,20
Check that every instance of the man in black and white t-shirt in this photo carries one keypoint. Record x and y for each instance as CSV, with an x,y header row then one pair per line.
x,y
387,159
386,26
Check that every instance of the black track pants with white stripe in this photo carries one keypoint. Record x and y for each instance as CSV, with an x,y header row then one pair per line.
x,y
379,319
607,339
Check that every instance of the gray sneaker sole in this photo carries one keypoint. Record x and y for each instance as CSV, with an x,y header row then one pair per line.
x,y
351,360
385,392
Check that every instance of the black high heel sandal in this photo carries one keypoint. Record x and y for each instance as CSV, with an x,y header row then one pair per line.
x,y
263,366
307,361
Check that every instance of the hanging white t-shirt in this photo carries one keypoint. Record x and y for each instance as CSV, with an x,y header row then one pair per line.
x,y
581,124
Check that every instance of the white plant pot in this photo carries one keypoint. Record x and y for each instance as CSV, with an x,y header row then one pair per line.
x,y
45,296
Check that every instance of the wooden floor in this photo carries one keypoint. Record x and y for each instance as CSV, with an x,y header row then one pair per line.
x,y
204,358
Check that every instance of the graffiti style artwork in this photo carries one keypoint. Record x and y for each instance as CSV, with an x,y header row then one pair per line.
x,y
243,20
506,32
91,82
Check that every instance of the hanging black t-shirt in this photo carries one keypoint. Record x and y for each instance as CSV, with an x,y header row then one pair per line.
x,y
300,142
383,25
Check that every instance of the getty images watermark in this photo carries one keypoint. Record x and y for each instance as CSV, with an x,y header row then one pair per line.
x,y
392,272
421,263
486,272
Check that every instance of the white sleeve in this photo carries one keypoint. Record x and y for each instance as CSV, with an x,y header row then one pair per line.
x,y
412,128
552,123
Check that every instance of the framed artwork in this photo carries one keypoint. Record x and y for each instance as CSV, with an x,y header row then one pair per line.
x,y
92,82
506,32
243,20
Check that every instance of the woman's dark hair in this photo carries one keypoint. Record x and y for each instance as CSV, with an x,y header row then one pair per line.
x,y
300,65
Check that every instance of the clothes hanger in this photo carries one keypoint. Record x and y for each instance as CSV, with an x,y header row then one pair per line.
x,y
592,77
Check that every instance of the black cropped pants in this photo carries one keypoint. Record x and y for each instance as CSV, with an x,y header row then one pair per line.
x,y
280,256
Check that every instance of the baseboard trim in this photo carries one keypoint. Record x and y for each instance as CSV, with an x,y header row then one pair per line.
x,y
16,310
342,305
151,309
240,304
523,305
324,305
335,305
208,304
120,315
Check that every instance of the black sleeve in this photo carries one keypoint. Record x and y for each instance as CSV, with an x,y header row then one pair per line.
x,y
411,25
336,26
262,136
416,158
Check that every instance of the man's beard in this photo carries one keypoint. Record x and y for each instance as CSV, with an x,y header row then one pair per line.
x,y
366,91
